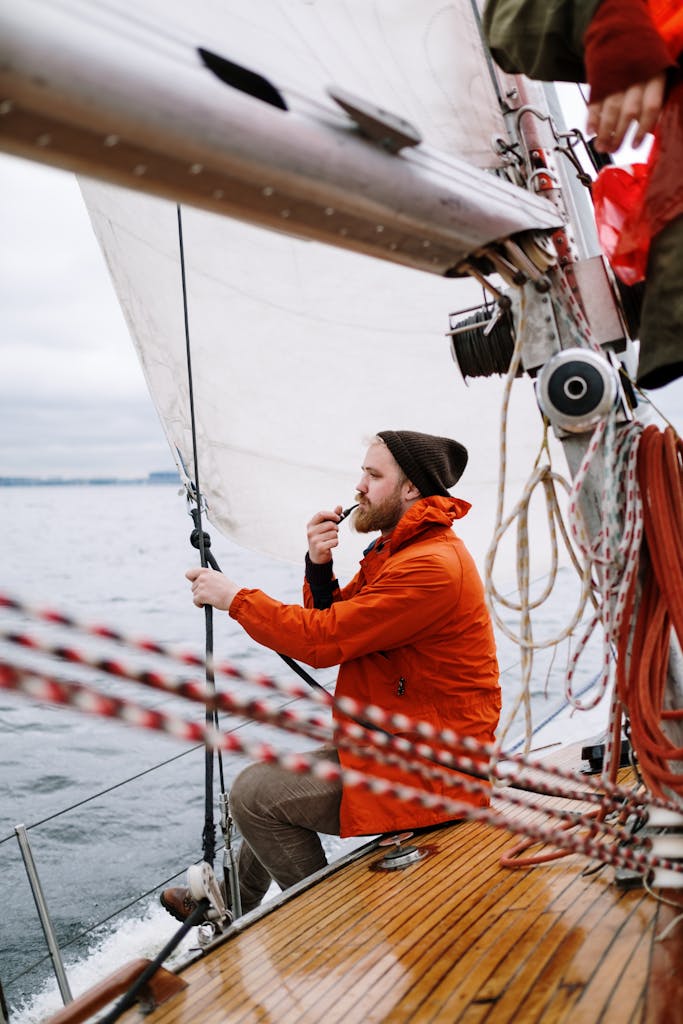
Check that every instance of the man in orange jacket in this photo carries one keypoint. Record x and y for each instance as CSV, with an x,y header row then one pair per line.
x,y
411,634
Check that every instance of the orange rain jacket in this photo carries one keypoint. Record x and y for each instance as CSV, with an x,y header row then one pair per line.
x,y
412,634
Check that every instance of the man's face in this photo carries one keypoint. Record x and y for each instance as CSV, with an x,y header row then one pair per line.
x,y
381,492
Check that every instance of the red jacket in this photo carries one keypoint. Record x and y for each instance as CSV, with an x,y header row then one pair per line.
x,y
412,634
628,42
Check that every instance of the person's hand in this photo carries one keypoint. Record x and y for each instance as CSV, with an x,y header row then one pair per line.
x,y
609,120
323,535
211,587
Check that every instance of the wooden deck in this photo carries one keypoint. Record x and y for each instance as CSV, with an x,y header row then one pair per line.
x,y
454,938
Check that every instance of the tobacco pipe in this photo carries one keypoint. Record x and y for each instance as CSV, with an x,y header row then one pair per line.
x,y
347,512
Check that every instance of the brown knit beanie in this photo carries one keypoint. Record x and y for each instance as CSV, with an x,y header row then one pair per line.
x,y
432,463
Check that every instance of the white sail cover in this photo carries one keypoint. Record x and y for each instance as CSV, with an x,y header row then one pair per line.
x,y
299,351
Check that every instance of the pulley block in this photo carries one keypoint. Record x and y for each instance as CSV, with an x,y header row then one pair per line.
x,y
576,388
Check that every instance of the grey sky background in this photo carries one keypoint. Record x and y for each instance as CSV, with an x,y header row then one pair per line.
x,y
73,401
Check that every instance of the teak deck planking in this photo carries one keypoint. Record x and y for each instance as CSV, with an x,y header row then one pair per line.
x,y
453,938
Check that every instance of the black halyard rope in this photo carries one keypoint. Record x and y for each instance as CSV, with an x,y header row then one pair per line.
x,y
209,833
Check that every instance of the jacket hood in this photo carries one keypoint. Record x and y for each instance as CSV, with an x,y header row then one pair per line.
x,y
425,514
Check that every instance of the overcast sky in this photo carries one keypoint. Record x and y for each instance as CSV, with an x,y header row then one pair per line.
x,y
73,401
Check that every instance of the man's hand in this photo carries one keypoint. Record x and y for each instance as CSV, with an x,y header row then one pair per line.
x,y
211,587
609,120
323,535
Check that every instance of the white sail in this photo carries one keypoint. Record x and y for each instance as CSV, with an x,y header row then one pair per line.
x,y
298,353
299,350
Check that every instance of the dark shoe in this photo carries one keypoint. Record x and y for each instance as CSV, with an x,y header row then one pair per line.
x,y
178,902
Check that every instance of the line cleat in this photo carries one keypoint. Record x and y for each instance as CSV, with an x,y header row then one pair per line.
x,y
202,884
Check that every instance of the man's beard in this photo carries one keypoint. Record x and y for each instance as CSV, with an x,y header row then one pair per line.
x,y
383,516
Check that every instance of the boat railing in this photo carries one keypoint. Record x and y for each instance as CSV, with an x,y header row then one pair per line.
x,y
55,948
43,912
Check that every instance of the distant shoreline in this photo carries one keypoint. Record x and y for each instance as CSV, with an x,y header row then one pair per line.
x,y
93,481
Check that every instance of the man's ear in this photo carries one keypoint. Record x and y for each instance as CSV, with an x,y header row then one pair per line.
x,y
411,492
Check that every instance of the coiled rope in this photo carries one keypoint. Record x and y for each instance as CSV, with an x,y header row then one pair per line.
x,y
544,477
640,493
645,650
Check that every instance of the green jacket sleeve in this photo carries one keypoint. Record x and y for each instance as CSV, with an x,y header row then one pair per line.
x,y
539,38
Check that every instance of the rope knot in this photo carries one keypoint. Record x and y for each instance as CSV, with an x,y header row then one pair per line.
x,y
195,541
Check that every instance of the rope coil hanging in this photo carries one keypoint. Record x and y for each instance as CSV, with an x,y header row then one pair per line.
x,y
645,649
631,461
483,344
543,477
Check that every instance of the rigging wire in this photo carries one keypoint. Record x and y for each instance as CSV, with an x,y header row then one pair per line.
x,y
102,792
490,64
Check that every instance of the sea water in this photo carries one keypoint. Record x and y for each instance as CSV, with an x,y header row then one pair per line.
x,y
115,813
